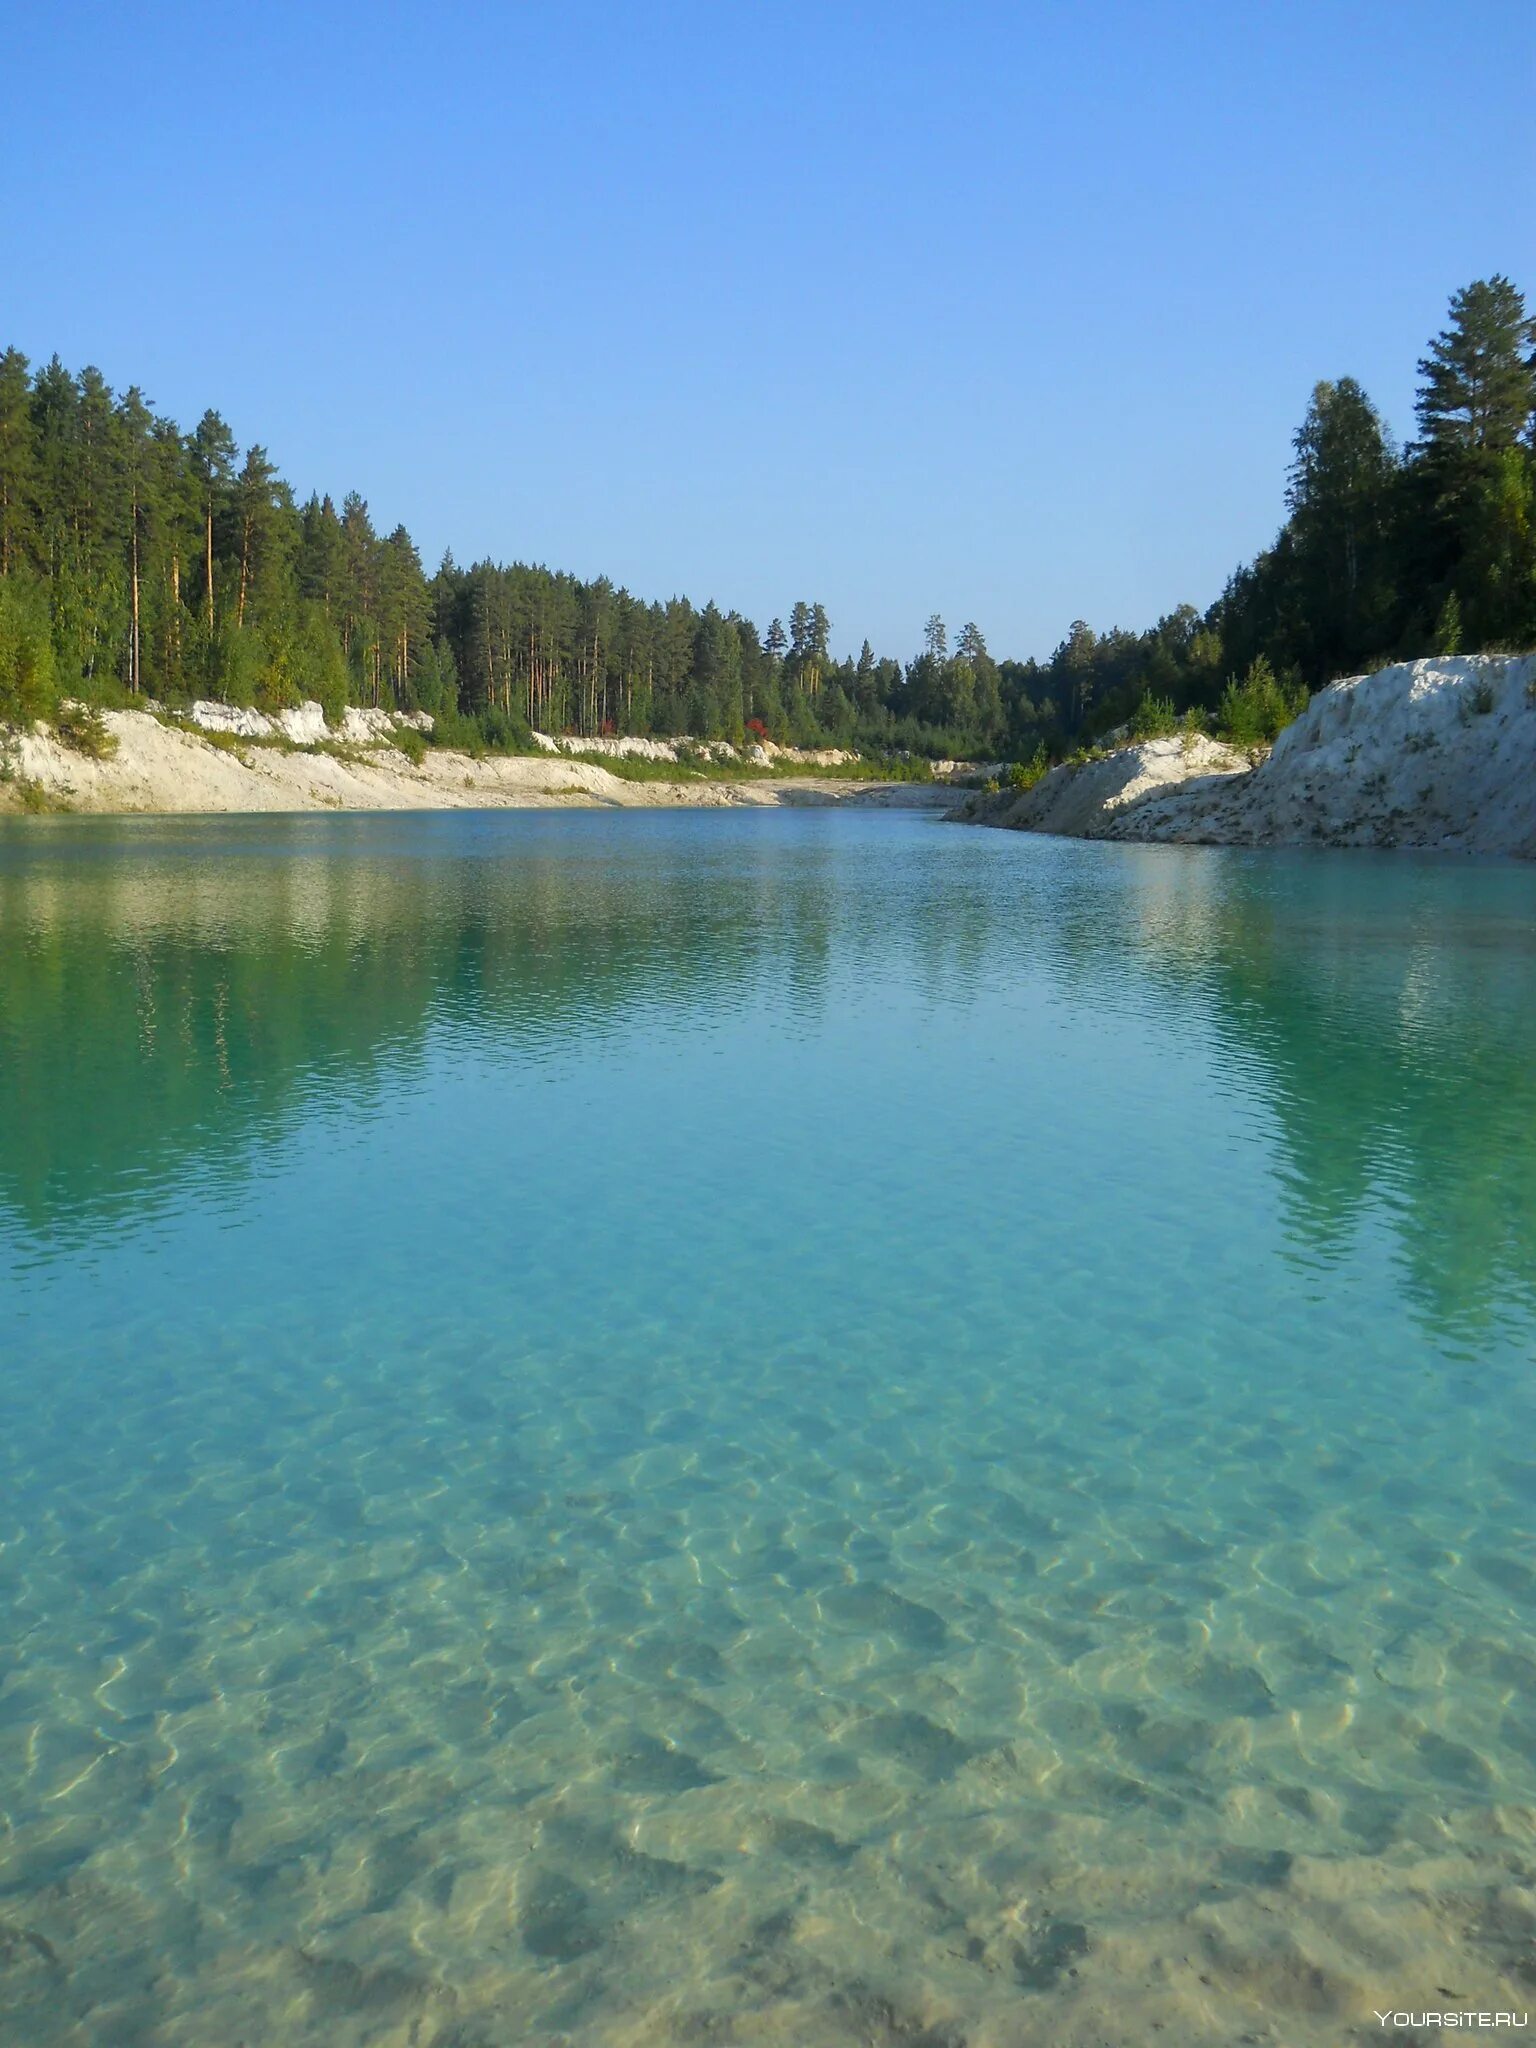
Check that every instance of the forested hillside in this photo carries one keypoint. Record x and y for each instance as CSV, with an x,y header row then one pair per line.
x,y
137,560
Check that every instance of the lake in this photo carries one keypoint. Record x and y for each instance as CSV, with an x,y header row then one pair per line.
x,y
759,1426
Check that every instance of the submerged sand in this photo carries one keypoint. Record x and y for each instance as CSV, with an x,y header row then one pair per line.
x,y
405,1656
812,1752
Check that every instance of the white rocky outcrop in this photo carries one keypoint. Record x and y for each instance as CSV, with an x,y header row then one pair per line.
x,y
1084,800
625,746
363,726
305,724
1438,753
1433,753
239,719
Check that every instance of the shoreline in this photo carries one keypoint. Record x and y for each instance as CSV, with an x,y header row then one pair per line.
x,y
160,770
1436,755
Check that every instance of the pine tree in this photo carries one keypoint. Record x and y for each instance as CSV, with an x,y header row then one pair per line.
x,y
259,499
55,409
357,598
18,463
818,641
97,500
1498,566
1073,668
1340,496
136,429
403,611
212,455
1478,390
174,539
1448,626
321,552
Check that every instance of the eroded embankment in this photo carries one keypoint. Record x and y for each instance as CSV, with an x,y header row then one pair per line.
x,y
157,767
1438,753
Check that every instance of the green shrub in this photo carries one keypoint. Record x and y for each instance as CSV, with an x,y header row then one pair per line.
x,y
1023,775
460,735
28,670
238,666
506,732
1154,719
35,798
1448,631
321,662
411,744
277,677
478,733
28,794
83,729
1253,712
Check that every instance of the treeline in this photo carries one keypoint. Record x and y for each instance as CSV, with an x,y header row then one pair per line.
x,y
140,561
1387,552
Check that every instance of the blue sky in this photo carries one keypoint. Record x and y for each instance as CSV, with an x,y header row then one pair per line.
x,y
1004,312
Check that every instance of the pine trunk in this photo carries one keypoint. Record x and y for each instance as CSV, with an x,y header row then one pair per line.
x,y
133,649
176,617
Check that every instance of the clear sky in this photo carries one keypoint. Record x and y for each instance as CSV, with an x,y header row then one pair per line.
x,y
1005,312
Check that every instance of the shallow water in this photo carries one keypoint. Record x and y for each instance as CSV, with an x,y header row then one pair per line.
x,y
759,1427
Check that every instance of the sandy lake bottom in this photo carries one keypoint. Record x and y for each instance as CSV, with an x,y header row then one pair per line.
x,y
785,1427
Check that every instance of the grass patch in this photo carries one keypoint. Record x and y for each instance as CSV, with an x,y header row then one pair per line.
x,y
221,742
26,792
35,797
347,752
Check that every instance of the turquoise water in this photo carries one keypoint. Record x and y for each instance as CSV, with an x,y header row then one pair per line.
x,y
759,1427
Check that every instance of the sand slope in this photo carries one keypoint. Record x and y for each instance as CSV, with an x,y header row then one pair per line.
x,y
1435,753
161,768
1089,801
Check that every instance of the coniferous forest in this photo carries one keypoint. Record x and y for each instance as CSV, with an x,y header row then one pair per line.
x,y
140,561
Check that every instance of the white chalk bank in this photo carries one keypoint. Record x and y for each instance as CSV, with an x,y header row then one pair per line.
x,y
1438,753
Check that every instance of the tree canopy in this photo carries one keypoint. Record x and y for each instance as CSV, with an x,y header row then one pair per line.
x,y
138,561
